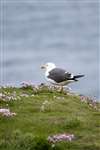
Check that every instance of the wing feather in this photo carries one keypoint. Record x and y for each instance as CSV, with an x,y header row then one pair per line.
x,y
59,75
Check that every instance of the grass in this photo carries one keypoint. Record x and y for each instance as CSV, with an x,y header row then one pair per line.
x,y
41,112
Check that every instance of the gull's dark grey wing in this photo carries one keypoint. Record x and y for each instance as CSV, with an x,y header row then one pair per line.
x,y
59,75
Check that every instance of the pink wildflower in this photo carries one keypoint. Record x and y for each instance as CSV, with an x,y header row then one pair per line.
x,y
6,112
61,137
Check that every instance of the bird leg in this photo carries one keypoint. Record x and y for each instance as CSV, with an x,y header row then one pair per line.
x,y
61,89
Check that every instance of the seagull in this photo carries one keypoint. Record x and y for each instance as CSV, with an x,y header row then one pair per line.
x,y
58,76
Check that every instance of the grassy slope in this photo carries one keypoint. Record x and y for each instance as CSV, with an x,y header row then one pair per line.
x,y
63,113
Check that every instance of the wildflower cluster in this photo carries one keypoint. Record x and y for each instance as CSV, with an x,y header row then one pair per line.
x,y
91,102
6,112
60,137
45,106
58,97
25,84
8,96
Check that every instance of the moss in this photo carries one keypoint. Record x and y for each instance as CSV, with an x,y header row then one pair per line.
x,y
63,113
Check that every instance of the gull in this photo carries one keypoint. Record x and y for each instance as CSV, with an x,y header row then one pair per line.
x,y
58,76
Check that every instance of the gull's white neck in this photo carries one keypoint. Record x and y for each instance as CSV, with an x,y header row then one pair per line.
x,y
49,69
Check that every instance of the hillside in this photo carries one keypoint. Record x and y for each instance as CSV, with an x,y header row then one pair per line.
x,y
38,112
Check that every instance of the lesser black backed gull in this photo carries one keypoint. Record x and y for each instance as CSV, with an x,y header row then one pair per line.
x,y
58,76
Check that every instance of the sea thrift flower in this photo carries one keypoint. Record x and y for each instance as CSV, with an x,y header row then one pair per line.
x,y
26,84
45,105
1,95
60,137
6,112
90,101
42,108
24,95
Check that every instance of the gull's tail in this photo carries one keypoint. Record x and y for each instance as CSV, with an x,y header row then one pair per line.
x,y
78,76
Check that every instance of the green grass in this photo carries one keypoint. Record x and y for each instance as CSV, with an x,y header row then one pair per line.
x,y
62,113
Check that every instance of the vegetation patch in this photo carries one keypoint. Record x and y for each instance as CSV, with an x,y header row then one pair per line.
x,y
34,114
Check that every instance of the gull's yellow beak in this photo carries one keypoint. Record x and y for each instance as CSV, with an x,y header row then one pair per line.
x,y
43,67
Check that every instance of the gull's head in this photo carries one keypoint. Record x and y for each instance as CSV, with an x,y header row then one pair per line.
x,y
48,66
